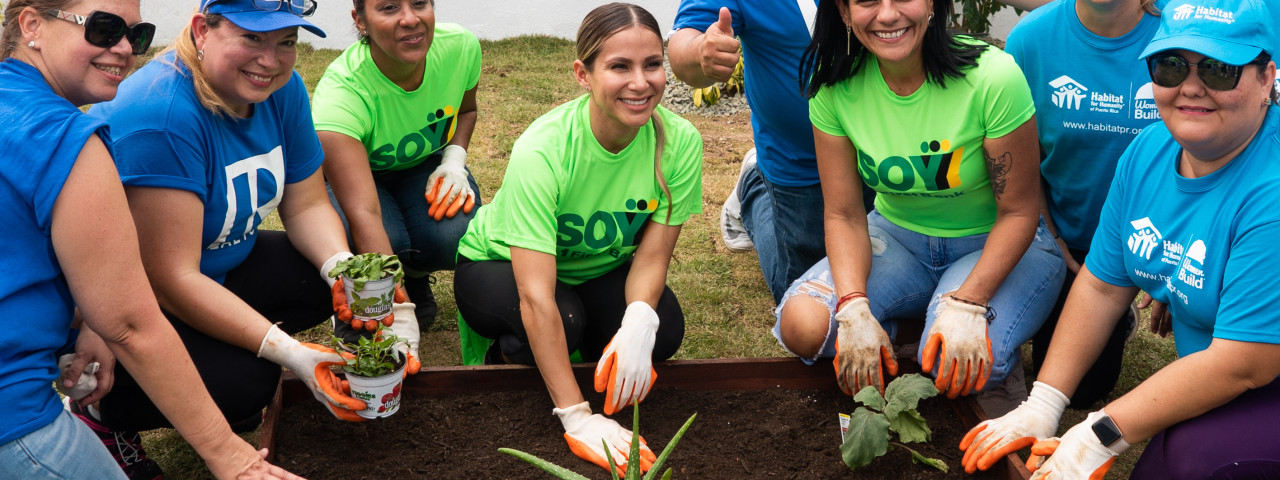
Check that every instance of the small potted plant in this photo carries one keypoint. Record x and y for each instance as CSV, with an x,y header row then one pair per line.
x,y
375,371
370,280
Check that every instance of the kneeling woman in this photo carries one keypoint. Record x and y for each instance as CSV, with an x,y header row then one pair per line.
x,y
572,253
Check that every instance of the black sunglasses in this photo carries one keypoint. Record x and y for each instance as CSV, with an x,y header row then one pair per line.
x,y
102,29
1170,70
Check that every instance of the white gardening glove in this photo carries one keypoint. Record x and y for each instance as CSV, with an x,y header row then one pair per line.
x,y
625,370
329,265
863,349
587,434
311,362
87,383
1077,455
447,188
1036,419
405,326
959,339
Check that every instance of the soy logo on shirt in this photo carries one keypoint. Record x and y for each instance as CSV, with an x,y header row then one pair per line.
x,y
602,228
438,131
935,169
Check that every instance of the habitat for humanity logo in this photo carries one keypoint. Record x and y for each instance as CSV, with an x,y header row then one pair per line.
x,y
1184,12
1069,94
1145,237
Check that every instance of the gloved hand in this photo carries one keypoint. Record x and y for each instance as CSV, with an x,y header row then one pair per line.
x,y
311,362
1078,454
1036,419
863,349
342,310
86,384
960,333
625,369
406,327
448,188
587,434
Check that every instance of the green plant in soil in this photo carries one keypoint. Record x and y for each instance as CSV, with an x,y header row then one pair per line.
x,y
373,356
368,267
633,467
869,426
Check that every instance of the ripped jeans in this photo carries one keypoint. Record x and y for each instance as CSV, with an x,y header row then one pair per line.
x,y
910,271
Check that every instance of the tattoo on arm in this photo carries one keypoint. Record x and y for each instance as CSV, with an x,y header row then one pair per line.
x,y
998,171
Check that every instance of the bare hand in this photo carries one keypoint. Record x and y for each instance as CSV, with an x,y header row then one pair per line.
x,y
1072,264
719,49
264,470
91,348
1161,321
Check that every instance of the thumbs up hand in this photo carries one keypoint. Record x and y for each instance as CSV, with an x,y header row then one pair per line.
x,y
719,50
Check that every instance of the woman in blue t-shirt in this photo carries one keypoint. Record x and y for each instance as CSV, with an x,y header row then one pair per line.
x,y
1191,218
71,247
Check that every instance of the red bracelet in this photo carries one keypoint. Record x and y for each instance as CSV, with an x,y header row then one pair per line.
x,y
847,297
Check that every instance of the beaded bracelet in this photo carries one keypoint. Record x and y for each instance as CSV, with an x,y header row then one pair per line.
x,y
847,297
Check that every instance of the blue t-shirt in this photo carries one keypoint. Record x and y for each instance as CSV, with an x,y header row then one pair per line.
x,y
238,167
1204,246
1092,96
42,138
774,34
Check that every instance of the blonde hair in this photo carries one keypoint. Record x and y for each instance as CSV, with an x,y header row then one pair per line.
x,y
600,24
185,51
11,34
1150,7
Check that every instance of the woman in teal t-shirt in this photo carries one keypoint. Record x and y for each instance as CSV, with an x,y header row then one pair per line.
x,y
572,254
394,114
943,128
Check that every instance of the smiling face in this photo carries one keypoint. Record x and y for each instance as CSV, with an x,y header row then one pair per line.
x,y
78,71
1211,125
245,67
399,30
625,80
892,30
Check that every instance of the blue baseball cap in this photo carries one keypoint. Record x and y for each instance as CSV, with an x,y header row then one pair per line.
x,y
246,15
1233,31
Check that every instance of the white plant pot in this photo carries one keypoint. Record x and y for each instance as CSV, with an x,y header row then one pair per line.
x,y
362,305
381,395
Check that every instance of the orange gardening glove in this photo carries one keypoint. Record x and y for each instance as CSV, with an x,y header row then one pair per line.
x,y
1077,455
959,338
587,435
1036,419
625,372
311,362
448,187
863,349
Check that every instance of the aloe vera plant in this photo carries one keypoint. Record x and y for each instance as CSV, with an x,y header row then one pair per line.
x,y
633,468
869,425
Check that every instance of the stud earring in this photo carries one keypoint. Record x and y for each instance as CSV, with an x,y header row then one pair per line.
x,y
1266,101
31,44
930,19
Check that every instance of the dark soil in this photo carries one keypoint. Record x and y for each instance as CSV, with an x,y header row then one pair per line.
x,y
773,434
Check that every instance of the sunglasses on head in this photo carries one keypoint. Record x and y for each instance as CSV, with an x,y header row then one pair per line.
x,y
1170,70
102,29
301,8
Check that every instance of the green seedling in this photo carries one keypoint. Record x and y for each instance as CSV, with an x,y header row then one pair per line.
x,y
371,357
869,426
633,467
367,267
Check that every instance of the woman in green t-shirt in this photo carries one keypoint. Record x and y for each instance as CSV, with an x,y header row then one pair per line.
x,y
394,114
572,253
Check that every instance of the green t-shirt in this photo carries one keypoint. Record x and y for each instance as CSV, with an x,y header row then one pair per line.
x,y
922,153
565,195
399,129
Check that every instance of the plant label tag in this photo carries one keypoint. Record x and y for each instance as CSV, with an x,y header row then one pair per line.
x,y
844,425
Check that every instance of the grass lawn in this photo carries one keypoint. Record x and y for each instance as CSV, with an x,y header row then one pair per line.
x,y
727,306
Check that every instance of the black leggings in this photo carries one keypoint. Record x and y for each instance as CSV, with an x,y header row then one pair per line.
x,y
591,312
279,283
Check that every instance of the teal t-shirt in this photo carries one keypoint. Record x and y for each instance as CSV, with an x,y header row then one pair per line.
x,y
565,195
922,153
399,129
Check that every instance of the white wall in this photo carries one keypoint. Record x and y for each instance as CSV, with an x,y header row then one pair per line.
x,y
489,19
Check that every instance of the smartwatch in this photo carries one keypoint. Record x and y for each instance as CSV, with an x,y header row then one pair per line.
x,y
1107,431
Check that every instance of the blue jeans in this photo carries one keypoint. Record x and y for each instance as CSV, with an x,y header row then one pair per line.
x,y
911,271
63,449
423,244
785,224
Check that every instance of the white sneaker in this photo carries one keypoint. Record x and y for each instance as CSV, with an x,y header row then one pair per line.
x,y
731,228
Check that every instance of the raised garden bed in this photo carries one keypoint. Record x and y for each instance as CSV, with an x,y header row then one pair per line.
x,y
757,418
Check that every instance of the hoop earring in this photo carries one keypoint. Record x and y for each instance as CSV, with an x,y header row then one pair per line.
x,y
848,39
930,19
199,55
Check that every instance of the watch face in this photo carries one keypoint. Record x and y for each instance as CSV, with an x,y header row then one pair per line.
x,y
1107,431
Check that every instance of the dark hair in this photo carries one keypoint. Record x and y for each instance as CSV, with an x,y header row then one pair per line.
x,y
11,32
358,5
828,60
598,26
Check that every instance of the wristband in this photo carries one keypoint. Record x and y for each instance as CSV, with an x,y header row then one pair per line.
x,y
847,297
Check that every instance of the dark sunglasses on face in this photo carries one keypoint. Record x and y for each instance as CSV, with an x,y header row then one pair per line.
x,y
1170,70
102,29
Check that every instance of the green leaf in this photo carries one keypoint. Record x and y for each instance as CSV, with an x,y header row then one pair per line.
x,y
870,396
558,471
905,392
916,457
866,439
662,457
910,427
